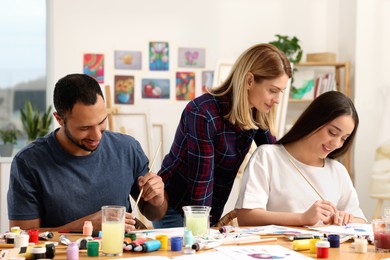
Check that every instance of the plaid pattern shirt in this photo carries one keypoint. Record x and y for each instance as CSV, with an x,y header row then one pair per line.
x,y
205,156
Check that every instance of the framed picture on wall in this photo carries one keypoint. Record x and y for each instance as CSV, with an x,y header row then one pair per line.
x,y
124,90
94,66
192,57
128,60
185,85
155,88
158,56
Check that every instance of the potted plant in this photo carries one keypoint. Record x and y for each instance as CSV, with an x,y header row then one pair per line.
x,y
35,124
9,136
291,47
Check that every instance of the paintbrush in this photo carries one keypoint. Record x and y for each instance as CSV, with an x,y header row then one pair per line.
x,y
319,194
150,168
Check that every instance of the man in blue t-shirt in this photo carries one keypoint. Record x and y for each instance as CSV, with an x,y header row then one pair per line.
x,y
63,179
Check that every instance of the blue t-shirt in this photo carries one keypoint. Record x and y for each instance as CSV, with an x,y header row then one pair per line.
x,y
48,183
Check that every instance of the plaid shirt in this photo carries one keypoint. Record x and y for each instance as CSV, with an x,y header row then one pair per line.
x,y
205,156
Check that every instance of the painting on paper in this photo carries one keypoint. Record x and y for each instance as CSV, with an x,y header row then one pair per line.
x,y
207,80
155,88
185,85
158,56
94,66
128,60
124,90
192,57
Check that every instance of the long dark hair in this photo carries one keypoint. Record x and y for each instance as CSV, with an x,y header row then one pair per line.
x,y
322,110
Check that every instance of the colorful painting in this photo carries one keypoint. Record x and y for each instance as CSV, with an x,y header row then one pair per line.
x,y
124,90
192,57
207,80
94,66
128,60
155,88
159,56
185,85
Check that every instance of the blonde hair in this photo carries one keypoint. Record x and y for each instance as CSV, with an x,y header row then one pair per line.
x,y
264,61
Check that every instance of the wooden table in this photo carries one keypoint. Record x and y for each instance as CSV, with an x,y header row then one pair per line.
x,y
345,251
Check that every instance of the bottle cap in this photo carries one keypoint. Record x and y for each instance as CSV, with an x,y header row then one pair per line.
x,y
323,243
38,250
93,248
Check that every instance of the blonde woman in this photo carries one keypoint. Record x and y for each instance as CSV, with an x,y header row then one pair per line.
x,y
216,131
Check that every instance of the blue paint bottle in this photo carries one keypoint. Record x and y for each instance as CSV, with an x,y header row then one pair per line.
x,y
151,245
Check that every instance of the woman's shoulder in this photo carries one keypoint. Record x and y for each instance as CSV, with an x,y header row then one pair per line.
x,y
205,104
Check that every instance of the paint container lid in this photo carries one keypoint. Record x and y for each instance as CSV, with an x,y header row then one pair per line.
x,y
132,236
322,244
176,243
334,241
38,250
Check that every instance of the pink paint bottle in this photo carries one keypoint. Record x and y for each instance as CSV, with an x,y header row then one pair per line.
x,y
87,228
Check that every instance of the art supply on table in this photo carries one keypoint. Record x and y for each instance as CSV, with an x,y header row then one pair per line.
x,y
64,240
50,250
151,245
301,244
228,229
46,235
72,251
197,219
360,245
164,241
87,228
206,245
188,238
150,169
21,240
322,249
176,243
15,229
312,244
10,237
135,243
34,235
334,240
93,248
38,252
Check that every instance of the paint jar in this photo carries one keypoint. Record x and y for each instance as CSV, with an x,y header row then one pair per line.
x,y
50,250
15,229
34,235
197,219
312,242
72,252
93,248
38,252
361,245
164,241
301,244
21,240
10,237
334,241
87,228
176,243
322,249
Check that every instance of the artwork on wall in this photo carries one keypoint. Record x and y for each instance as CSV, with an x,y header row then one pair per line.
x,y
128,60
124,90
155,88
192,57
94,66
185,85
207,80
158,56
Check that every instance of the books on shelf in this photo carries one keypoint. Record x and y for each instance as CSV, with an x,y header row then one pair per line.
x,y
310,83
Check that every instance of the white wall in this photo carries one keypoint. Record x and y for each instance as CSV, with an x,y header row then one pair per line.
x,y
225,28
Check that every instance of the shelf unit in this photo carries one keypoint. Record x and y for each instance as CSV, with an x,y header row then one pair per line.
x,y
343,84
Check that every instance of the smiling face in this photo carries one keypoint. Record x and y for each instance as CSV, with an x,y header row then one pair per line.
x,y
82,129
331,136
265,94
